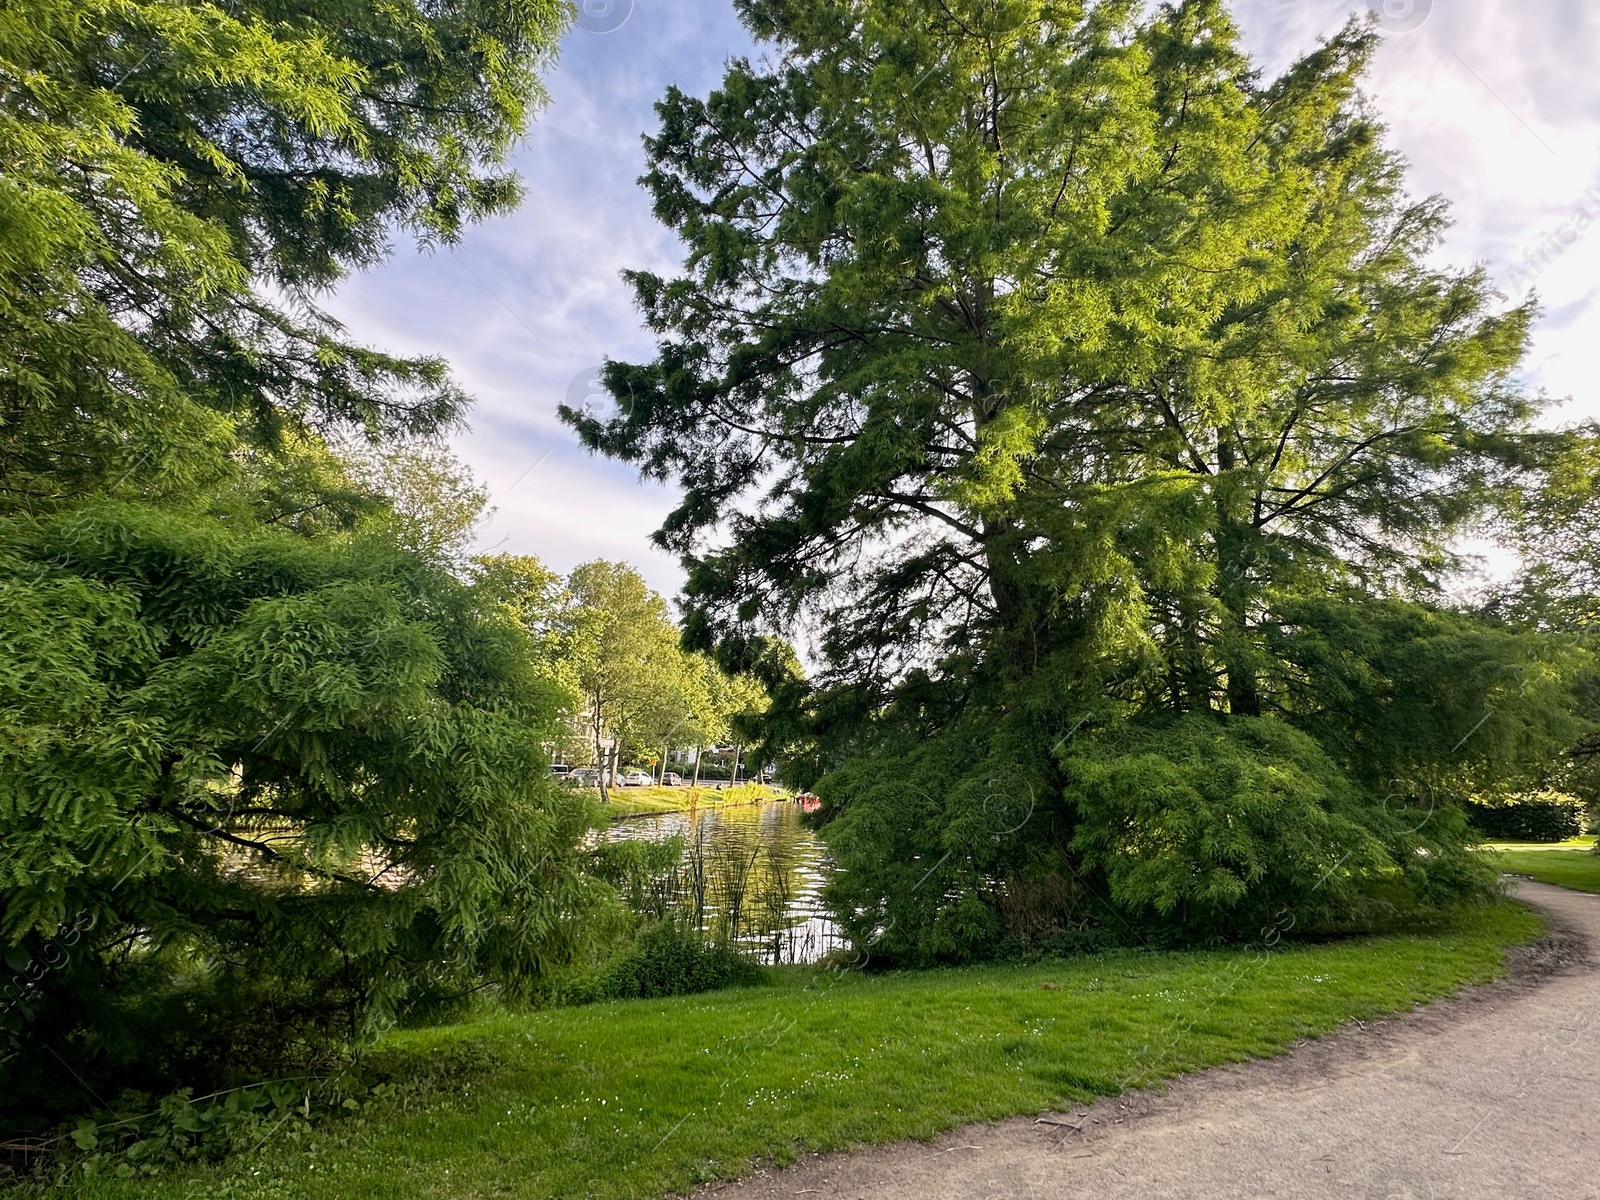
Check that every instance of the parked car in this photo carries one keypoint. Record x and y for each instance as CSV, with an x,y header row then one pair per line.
x,y
560,770
583,777
672,779
635,779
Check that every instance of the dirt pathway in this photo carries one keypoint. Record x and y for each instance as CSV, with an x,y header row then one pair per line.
x,y
1495,1095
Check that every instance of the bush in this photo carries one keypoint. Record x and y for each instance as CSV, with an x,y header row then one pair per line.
x,y
1528,819
929,834
668,959
1221,828
1174,831
259,797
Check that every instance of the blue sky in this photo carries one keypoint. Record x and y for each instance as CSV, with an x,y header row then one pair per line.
x,y
1496,103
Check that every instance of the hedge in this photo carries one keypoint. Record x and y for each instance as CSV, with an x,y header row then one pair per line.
x,y
1527,821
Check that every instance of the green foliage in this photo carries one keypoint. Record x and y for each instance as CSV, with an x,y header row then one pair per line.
x,y
1060,371
637,686
275,770
144,1139
1232,828
1528,819
1556,526
1557,529
1412,699
1191,828
1051,380
609,641
164,158
520,589
929,839
182,1129
292,787
670,959
430,501
746,793
626,652
642,870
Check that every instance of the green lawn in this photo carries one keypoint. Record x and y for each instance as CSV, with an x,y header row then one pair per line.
x,y
640,1098
1579,869
1578,843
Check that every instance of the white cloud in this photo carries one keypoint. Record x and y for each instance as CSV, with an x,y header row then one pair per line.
x,y
1495,103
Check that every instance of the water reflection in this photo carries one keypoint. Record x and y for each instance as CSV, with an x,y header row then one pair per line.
x,y
751,873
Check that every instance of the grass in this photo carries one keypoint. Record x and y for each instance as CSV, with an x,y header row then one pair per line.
x,y
639,1098
644,801
1578,843
1577,869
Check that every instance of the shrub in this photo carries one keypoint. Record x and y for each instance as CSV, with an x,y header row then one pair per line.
x,y
1175,830
1225,827
927,835
275,793
669,959
1541,818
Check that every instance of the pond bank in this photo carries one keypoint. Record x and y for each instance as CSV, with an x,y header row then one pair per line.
x,y
654,801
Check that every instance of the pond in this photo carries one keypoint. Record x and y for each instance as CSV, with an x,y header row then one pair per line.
x,y
750,870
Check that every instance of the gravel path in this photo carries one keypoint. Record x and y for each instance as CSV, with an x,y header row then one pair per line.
x,y
1495,1095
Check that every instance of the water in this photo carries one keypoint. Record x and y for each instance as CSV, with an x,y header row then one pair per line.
x,y
754,866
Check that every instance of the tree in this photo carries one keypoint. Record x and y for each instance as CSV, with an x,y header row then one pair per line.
x,y
678,711
165,160
1039,355
626,656
431,502
736,704
1556,530
1557,592
535,599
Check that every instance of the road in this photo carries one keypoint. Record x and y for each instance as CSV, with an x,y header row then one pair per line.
x,y
1495,1095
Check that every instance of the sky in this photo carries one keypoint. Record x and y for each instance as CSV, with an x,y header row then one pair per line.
x,y
1495,103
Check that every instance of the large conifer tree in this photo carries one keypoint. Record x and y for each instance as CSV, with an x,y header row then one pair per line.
x,y
1042,357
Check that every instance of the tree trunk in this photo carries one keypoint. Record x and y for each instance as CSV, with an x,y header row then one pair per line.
x,y
1238,551
665,751
1244,695
1193,667
697,750
733,779
597,725
1236,643
1004,572
1003,552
